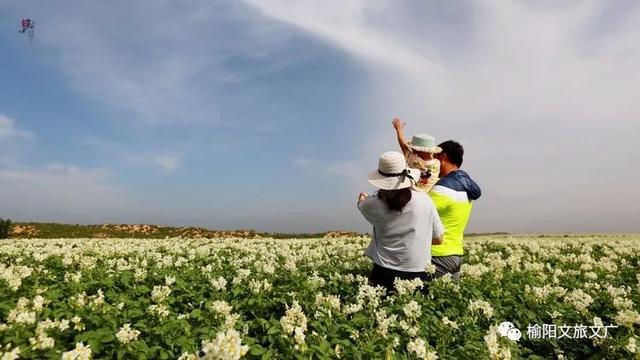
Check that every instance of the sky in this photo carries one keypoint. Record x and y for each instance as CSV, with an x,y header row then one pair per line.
x,y
269,114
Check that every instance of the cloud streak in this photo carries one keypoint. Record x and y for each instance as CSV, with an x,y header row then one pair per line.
x,y
162,63
541,94
129,155
10,131
61,192
542,97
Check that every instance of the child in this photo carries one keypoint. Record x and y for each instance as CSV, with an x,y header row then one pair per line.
x,y
419,155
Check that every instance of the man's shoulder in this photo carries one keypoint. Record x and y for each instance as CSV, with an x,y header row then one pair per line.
x,y
440,191
460,181
452,180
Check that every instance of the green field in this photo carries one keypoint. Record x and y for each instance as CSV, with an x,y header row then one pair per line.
x,y
309,298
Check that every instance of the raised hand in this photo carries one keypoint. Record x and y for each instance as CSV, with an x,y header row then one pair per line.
x,y
398,124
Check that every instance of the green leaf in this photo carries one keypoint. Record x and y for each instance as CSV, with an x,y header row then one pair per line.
x,y
257,350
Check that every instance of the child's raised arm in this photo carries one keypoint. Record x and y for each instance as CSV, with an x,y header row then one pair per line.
x,y
399,126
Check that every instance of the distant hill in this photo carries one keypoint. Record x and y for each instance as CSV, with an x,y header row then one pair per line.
x,y
54,230
30,230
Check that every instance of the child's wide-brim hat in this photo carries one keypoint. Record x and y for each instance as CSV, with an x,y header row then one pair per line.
x,y
424,142
393,173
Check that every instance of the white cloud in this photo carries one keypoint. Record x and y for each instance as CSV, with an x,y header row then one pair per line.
x,y
344,23
162,63
9,130
61,192
168,162
542,96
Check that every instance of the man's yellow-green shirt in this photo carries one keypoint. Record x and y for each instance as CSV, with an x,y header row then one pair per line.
x,y
453,197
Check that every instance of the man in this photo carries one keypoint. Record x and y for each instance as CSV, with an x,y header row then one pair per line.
x,y
453,196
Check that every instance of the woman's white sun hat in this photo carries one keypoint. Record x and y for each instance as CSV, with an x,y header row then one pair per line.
x,y
424,142
393,172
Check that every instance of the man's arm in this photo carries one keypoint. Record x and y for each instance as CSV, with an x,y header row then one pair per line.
x,y
399,126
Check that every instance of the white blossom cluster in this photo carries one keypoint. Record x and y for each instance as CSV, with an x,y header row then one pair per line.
x,y
227,345
481,306
9,353
81,352
294,323
126,334
496,351
419,348
407,287
327,305
563,278
160,293
580,299
385,322
14,275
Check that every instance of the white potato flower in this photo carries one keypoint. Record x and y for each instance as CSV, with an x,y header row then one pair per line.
x,y
580,299
227,345
126,334
419,347
446,321
294,322
81,352
482,306
12,354
160,293
412,310
221,307
627,318
219,283
631,345
407,287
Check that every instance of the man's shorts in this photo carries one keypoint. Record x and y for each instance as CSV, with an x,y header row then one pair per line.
x,y
447,265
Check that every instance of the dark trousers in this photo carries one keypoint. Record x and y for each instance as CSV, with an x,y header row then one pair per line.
x,y
385,277
447,265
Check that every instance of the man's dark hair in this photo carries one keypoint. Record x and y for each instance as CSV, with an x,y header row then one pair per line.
x,y
395,199
454,151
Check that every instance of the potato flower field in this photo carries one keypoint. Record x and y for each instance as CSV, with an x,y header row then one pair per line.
x,y
309,299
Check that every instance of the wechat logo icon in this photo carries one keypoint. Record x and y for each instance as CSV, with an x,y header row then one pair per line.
x,y
510,331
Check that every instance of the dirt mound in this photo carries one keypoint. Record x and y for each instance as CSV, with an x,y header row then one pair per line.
x,y
199,233
23,231
133,228
340,234
55,230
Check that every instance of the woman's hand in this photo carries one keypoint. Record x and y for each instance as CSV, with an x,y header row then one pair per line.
x,y
362,196
398,124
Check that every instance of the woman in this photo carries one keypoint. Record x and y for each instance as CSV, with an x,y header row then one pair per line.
x,y
405,223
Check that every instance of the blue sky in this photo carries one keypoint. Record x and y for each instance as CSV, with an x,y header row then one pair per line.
x,y
268,114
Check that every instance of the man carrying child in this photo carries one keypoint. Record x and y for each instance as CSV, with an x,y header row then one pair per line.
x,y
451,189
